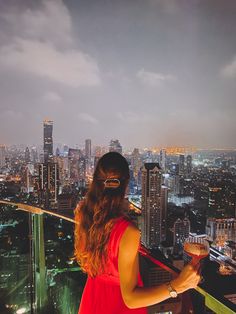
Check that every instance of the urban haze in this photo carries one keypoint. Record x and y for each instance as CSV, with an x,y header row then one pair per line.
x,y
150,73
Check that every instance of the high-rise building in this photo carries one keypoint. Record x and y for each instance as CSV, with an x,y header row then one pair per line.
x,y
34,155
48,183
215,201
163,159
221,230
47,140
164,204
58,152
82,171
2,155
151,204
88,149
27,155
181,232
115,146
189,164
181,164
136,164
28,178
174,169
73,163
62,167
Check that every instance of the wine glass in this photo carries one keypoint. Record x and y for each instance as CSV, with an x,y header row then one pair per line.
x,y
197,248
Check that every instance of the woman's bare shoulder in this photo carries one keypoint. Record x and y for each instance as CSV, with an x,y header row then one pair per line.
x,y
130,237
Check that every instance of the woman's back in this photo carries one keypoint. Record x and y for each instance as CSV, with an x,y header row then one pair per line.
x,y
102,294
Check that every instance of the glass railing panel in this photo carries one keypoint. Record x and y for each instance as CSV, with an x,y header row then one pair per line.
x,y
16,281
64,279
38,274
209,297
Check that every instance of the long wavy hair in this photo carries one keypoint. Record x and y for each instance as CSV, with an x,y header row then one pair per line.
x,y
96,214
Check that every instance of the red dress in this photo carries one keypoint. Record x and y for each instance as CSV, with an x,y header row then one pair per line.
x,y
102,294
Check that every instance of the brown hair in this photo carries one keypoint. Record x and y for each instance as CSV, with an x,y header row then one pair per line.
x,y
95,215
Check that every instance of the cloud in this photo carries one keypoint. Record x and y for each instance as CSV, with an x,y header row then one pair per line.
x,y
154,79
230,69
52,97
129,117
87,118
44,47
72,68
50,19
168,6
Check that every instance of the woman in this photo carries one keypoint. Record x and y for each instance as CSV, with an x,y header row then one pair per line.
x,y
106,247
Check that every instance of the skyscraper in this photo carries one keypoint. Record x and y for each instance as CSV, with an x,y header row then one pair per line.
x,y
48,183
27,155
88,149
115,146
163,159
47,140
2,155
181,232
74,155
58,152
181,164
136,164
215,201
151,204
164,204
189,164
34,155
82,171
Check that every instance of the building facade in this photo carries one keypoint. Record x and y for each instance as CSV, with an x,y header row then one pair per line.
x,y
47,140
48,184
151,205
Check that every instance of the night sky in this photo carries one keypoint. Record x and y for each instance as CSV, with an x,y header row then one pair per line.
x,y
148,72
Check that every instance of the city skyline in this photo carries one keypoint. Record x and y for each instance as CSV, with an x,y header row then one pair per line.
x,y
151,73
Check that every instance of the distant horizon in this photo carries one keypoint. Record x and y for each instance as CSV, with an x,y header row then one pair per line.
x,y
153,148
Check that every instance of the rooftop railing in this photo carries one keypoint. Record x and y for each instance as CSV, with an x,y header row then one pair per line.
x,y
38,274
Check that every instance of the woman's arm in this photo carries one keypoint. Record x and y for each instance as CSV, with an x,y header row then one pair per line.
x,y
128,264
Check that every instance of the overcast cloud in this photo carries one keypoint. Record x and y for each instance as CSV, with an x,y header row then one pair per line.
x,y
150,73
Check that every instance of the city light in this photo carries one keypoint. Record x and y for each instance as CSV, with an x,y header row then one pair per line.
x,y
21,310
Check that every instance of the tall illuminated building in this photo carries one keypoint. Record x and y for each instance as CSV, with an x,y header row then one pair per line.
x,y
215,201
189,164
47,140
115,146
82,172
164,205
27,155
221,230
181,164
34,155
73,164
163,159
88,149
181,232
48,184
58,152
136,163
2,155
151,223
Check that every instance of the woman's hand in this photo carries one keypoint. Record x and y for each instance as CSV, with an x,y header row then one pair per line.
x,y
188,278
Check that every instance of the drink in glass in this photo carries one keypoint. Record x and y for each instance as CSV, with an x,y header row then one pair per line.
x,y
196,248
